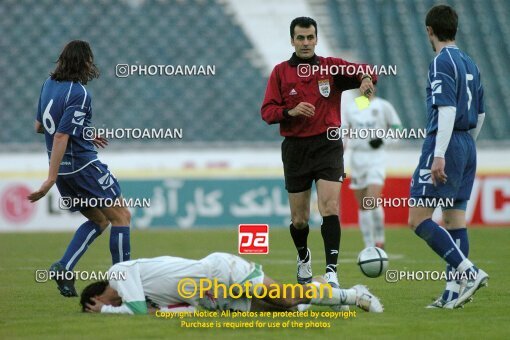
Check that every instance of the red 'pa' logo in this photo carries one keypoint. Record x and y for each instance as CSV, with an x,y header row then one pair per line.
x,y
253,239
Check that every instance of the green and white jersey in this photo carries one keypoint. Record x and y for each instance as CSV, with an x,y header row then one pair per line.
x,y
158,280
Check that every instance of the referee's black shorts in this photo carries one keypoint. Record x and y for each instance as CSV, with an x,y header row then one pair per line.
x,y
308,159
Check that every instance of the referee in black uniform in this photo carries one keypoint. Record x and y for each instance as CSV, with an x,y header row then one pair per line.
x,y
306,104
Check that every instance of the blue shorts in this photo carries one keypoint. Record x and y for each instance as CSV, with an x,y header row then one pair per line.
x,y
93,181
460,167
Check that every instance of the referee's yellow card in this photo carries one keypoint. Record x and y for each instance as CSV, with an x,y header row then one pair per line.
x,y
362,102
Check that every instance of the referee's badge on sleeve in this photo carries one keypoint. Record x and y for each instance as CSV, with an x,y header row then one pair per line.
x,y
324,88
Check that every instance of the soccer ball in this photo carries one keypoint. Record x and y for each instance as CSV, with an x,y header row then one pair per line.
x,y
373,261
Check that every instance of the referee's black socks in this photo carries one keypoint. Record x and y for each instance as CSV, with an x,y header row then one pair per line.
x,y
331,234
300,236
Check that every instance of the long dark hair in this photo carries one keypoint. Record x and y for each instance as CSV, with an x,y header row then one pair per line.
x,y
76,63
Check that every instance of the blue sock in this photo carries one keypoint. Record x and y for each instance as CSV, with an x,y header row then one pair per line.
x,y
440,241
460,238
83,237
120,247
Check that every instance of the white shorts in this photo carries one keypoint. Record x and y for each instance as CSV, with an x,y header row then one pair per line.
x,y
367,168
229,269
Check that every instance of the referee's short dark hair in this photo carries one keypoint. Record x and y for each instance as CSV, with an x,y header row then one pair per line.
x,y
303,22
444,21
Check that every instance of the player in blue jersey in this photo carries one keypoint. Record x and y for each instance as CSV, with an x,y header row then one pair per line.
x,y
447,166
63,112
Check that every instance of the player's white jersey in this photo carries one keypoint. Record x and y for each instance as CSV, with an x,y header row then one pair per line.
x,y
156,280
367,165
380,114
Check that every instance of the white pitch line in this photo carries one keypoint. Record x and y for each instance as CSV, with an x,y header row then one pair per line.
x,y
264,260
341,260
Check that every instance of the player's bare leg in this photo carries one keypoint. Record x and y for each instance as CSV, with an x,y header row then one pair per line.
x,y
120,218
95,215
83,237
328,194
300,208
454,218
419,214
292,295
299,229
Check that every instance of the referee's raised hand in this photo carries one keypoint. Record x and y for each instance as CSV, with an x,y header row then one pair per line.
x,y
367,87
304,109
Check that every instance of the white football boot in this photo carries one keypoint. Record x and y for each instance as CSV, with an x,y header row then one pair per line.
x,y
332,279
366,300
469,286
440,303
304,269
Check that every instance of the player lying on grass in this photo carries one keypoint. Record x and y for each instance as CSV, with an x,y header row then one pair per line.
x,y
64,111
170,282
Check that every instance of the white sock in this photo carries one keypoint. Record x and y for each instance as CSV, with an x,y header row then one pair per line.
x,y
464,265
366,226
350,296
322,295
378,221
338,296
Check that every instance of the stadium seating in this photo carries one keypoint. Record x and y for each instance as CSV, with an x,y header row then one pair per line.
x,y
225,107
393,32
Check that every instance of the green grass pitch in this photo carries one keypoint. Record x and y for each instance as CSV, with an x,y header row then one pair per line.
x,y
36,310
